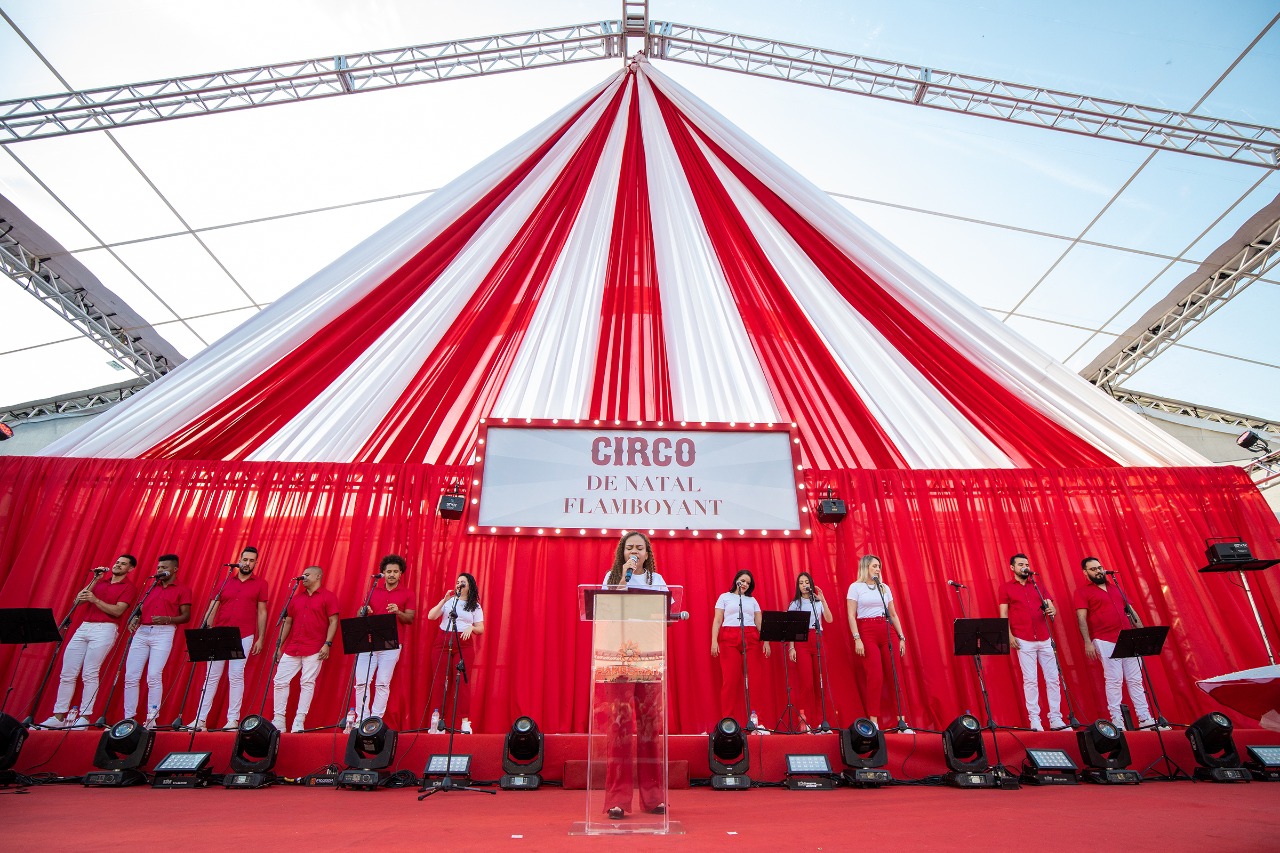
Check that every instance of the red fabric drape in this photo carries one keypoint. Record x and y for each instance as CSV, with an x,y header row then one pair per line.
x,y
60,517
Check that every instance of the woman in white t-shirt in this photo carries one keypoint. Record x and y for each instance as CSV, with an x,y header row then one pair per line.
x,y
627,706
803,657
461,619
737,620
871,615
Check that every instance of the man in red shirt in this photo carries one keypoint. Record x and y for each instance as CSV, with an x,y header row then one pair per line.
x,y
105,605
1029,637
1102,614
167,605
305,639
241,603
394,598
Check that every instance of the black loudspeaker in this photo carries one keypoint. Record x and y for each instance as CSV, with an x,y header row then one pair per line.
x,y
831,511
1229,552
452,506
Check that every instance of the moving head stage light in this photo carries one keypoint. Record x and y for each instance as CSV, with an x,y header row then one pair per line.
x,y
122,749
1105,754
370,750
729,757
1215,750
253,754
863,750
966,754
522,757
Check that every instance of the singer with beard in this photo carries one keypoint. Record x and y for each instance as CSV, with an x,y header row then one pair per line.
x,y
105,601
241,603
305,640
379,667
1102,615
737,623
633,706
1029,636
168,606
461,605
871,616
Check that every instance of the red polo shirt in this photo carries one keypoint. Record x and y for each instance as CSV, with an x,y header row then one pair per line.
x,y
1026,618
310,615
1106,617
110,593
400,596
238,604
165,601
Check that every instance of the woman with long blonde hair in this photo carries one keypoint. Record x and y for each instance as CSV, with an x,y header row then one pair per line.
x,y
871,616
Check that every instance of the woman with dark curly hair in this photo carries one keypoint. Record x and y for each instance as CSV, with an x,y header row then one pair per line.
x,y
461,619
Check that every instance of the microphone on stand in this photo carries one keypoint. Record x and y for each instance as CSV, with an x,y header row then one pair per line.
x,y
1109,572
957,585
300,578
230,565
682,616
377,575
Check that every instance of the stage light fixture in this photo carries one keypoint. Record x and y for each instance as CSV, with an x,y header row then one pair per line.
x,y
729,757
1105,754
522,757
253,754
13,735
122,749
453,502
864,752
183,770
831,510
1263,762
371,747
1215,750
457,768
1253,442
1048,767
809,772
966,754
6,432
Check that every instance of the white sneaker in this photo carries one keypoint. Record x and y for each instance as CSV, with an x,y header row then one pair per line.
x,y
1055,725
150,723
299,724
232,725
79,723
199,726
53,723
278,722
466,726
1036,727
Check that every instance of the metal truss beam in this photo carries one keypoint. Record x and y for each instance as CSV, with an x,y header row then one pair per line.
x,y
95,400
1265,470
1192,410
1152,127
1250,263
179,97
74,305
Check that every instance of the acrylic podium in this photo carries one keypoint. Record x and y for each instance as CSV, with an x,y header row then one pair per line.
x,y
627,734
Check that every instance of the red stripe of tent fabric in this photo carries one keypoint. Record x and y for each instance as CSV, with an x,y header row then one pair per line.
x,y
632,381
238,425
810,387
1030,437
434,420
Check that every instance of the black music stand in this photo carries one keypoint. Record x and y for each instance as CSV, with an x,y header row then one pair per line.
x,y
785,626
210,644
1143,643
365,635
22,626
978,637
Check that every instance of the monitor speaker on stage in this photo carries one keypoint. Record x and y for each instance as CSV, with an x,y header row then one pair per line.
x,y
452,506
1229,552
831,511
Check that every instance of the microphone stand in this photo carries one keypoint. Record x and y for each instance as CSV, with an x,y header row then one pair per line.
x,y
275,655
1072,721
351,683
746,678
446,783
101,722
191,674
893,664
998,768
63,627
822,682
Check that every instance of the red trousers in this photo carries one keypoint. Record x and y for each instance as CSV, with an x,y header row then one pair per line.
x,y
732,699
805,679
627,709
445,677
875,676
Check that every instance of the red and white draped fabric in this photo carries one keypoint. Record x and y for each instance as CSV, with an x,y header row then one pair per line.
x,y
634,257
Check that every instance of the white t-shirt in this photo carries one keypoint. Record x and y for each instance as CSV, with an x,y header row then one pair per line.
x,y
466,618
808,604
638,581
868,599
728,602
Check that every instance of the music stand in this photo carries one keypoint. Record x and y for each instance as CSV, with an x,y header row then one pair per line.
x,y
1142,643
24,626
978,637
366,635
210,644
785,626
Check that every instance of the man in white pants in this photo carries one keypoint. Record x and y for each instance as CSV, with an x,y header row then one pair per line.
x,y
1101,611
167,605
241,603
103,604
305,639
379,667
1029,635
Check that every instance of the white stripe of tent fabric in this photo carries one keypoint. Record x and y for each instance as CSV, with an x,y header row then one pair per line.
x,y
336,425
1042,382
924,426
554,371
715,374
219,371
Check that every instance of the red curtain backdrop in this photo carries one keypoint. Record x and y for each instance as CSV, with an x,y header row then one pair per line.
x,y
61,517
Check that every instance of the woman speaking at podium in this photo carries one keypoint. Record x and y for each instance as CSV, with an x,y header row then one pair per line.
x,y
634,706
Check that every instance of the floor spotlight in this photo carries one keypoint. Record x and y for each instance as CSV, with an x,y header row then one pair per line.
x,y
1105,754
522,757
1264,762
966,754
370,750
253,754
122,749
1215,750
183,770
12,735
729,757
1048,767
863,750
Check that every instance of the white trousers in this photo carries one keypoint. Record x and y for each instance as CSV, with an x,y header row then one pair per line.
x,y
1120,673
82,659
1033,655
285,672
379,667
235,684
150,648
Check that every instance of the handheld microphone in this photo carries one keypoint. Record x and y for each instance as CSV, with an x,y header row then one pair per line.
x,y
957,585
230,565
99,571
631,566
377,575
300,578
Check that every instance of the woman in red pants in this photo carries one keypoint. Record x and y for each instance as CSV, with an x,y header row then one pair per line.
x,y
803,657
871,617
737,622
